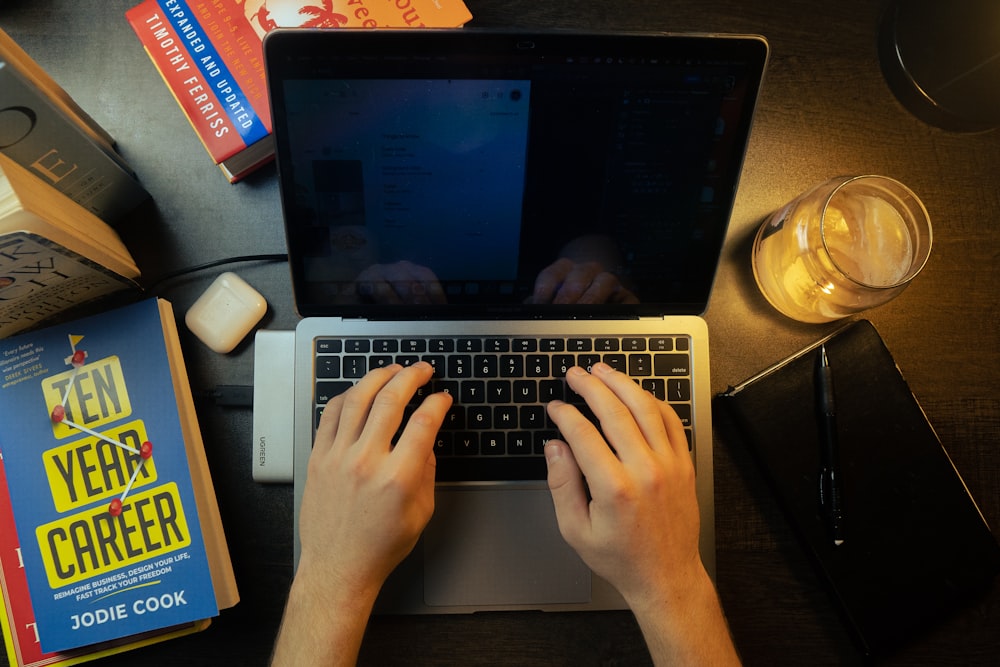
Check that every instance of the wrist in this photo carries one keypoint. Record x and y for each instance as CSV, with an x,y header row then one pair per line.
x,y
317,584
680,590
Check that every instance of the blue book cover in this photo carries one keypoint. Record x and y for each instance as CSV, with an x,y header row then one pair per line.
x,y
99,479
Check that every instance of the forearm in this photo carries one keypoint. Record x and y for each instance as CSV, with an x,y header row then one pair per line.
x,y
321,625
687,627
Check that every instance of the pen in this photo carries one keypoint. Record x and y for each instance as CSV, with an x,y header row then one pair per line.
x,y
830,496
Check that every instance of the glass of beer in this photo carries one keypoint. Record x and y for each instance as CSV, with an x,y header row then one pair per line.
x,y
847,245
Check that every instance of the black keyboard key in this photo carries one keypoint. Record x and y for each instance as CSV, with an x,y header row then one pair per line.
x,y
640,365
505,417
479,417
380,361
616,361
552,345
328,346
606,345
524,345
682,344
498,391
448,387
511,366
357,346
327,367
469,345
587,361
405,360
579,345
385,346
562,363
536,366
634,344
679,390
454,419
551,390
525,391
492,443
532,417
656,387
444,445
472,391
459,366
496,345
671,364
466,443
437,361
661,344
326,390
519,443
441,345
413,346
541,438
355,367
485,366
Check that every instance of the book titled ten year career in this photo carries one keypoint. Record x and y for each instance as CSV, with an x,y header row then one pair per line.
x,y
210,55
114,506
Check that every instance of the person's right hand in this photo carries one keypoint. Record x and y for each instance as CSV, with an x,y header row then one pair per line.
x,y
639,526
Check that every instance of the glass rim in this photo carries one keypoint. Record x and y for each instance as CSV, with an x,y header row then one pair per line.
x,y
924,218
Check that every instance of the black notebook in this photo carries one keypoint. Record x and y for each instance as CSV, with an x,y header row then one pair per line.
x,y
915,545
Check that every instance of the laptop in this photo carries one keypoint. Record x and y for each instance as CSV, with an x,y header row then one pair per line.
x,y
505,205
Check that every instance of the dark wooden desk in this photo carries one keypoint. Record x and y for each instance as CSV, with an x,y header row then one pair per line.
x,y
825,110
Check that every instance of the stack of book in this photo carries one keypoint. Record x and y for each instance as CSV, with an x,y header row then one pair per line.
x,y
110,532
63,188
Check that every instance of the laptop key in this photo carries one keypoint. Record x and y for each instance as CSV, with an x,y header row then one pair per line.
x,y
328,346
683,411
413,345
679,389
355,367
498,391
492,443
326,390
357,346
441,345
328,367
661,344
671,364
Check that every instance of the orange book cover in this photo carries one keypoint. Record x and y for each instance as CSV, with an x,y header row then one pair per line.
x,y
210,55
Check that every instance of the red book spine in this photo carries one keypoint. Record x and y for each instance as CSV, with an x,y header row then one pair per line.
x,y
212,62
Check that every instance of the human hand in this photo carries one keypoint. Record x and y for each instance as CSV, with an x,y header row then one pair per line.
x,y
400,283
366,502
640,527
566,282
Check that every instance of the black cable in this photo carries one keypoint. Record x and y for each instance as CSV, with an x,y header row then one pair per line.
x,y
214,264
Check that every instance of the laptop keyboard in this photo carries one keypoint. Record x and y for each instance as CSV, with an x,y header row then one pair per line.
x,y
497,426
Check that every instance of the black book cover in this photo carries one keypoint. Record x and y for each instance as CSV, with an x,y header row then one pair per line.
x,y
916,546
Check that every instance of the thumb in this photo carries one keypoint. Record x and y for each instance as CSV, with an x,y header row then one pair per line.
x,y
569,492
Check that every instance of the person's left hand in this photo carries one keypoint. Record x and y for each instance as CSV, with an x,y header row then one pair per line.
x,y
366,501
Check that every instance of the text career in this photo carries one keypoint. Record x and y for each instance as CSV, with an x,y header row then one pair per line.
x,y
94,542
90,469
97,396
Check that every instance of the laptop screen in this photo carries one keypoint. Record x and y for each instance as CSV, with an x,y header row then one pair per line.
x,y
467,173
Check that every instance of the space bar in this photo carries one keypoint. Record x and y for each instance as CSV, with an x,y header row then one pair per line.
x,y
482,468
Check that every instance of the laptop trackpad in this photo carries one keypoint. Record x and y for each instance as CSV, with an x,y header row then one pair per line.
x,y
488,547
